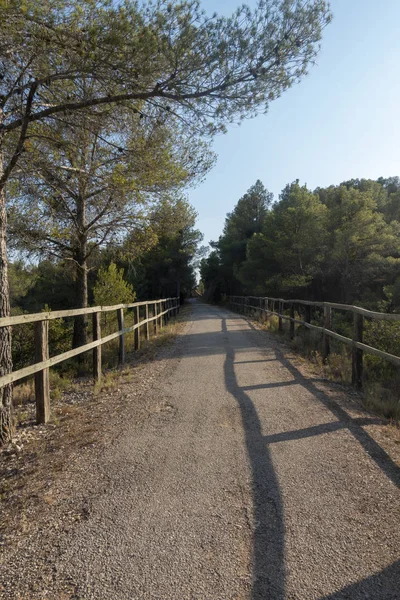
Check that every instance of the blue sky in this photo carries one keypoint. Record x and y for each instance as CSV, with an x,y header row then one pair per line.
x,y
340,122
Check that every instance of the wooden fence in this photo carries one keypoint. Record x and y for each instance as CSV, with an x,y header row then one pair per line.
x,y
161,311
277,306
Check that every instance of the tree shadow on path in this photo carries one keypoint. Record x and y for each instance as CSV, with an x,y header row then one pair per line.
x,y
268,549
355,426
269,569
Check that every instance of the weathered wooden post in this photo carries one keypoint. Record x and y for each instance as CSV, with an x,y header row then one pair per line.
x,y
156,319
357,354
121,327
137,330
42,384
325,338
291,330
147,322
307,313
280,311
96,351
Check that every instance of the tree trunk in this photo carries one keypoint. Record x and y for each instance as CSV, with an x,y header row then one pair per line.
x,y
81,295
81,298
6,419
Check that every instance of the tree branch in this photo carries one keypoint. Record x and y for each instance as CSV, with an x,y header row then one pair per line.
x,y
22,136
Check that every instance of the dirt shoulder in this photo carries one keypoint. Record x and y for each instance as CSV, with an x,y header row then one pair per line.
x,y
47,475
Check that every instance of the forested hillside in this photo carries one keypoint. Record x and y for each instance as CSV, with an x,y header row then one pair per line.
x,y
339,244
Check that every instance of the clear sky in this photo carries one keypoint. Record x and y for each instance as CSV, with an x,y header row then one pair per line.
x,y
341,122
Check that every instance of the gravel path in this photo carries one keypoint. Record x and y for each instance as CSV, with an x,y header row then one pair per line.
x,y
250,481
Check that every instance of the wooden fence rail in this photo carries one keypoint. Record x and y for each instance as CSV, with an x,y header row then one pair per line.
x,y
276,306
162,310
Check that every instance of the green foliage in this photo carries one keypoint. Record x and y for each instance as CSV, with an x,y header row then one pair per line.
x,y
288,253
211,277
21,279
340,244
363,246
111,288
241,224
166,269
149,56
47,283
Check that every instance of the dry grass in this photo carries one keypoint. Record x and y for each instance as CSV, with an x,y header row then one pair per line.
x,y
381,386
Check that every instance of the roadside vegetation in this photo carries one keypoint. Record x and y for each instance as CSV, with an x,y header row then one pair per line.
x,y
338,244
107,113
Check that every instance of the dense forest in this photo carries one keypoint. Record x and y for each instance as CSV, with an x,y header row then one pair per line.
x,y
338,244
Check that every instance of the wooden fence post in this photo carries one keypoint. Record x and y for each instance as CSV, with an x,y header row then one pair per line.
x,y
96,351
156,319
42,384
325,338
307,315
357,354
137,330
147,324
291,329
280,311
121,327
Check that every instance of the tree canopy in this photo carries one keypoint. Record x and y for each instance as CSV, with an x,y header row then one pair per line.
x,y
339,244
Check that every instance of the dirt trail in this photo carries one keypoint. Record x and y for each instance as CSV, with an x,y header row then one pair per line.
x,y
249,481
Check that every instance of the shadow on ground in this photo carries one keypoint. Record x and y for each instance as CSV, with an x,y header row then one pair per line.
x,y
269,569
268,542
